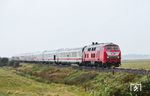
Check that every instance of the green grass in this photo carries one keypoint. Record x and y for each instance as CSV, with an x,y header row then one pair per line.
x,y
98,83
136,64
15,85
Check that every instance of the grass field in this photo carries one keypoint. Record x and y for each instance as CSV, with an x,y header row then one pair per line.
x,y
15,85
45,80
101,83
136,64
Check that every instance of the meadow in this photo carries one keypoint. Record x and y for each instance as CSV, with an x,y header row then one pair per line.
x,y
12,84
93,82
47,80
136,64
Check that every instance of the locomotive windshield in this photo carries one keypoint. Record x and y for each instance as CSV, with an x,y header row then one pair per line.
x,y
112,47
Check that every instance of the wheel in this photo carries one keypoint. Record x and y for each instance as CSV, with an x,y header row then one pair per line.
x,y
104,65
109,65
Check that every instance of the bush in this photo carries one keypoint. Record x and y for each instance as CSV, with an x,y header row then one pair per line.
x,y
4,61
80,78
16,64
145,88
100,84
13,63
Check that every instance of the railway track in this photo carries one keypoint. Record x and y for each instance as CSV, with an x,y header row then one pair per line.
x,y
113,70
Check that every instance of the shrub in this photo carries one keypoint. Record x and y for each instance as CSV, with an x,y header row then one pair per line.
x,y
81,78
4,61
145,88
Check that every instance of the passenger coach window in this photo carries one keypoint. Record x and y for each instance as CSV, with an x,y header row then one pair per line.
x,y
74,54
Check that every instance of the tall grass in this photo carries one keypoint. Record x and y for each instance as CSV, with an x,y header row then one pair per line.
x,y
100,84
15,85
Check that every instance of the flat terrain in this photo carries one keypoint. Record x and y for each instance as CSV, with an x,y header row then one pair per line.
x,y
136,64
15,85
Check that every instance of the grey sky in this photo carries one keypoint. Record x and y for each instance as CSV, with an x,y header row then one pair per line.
x,y
36,25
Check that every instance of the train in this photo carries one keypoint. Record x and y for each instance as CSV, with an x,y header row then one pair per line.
x,y
96,54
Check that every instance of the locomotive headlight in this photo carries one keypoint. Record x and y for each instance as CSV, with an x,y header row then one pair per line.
x,y
107,56
118,57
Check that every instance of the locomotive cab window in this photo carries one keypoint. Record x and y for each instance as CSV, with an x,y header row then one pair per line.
x,y
112,47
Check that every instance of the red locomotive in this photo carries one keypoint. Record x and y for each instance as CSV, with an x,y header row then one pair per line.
x,y
103,54
97,54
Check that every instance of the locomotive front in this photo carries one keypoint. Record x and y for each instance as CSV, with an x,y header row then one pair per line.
x,y
112,55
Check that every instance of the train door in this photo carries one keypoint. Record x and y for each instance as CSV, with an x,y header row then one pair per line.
x,y
83,54
54,58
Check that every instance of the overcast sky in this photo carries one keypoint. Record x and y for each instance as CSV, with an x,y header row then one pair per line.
x,y
37,25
